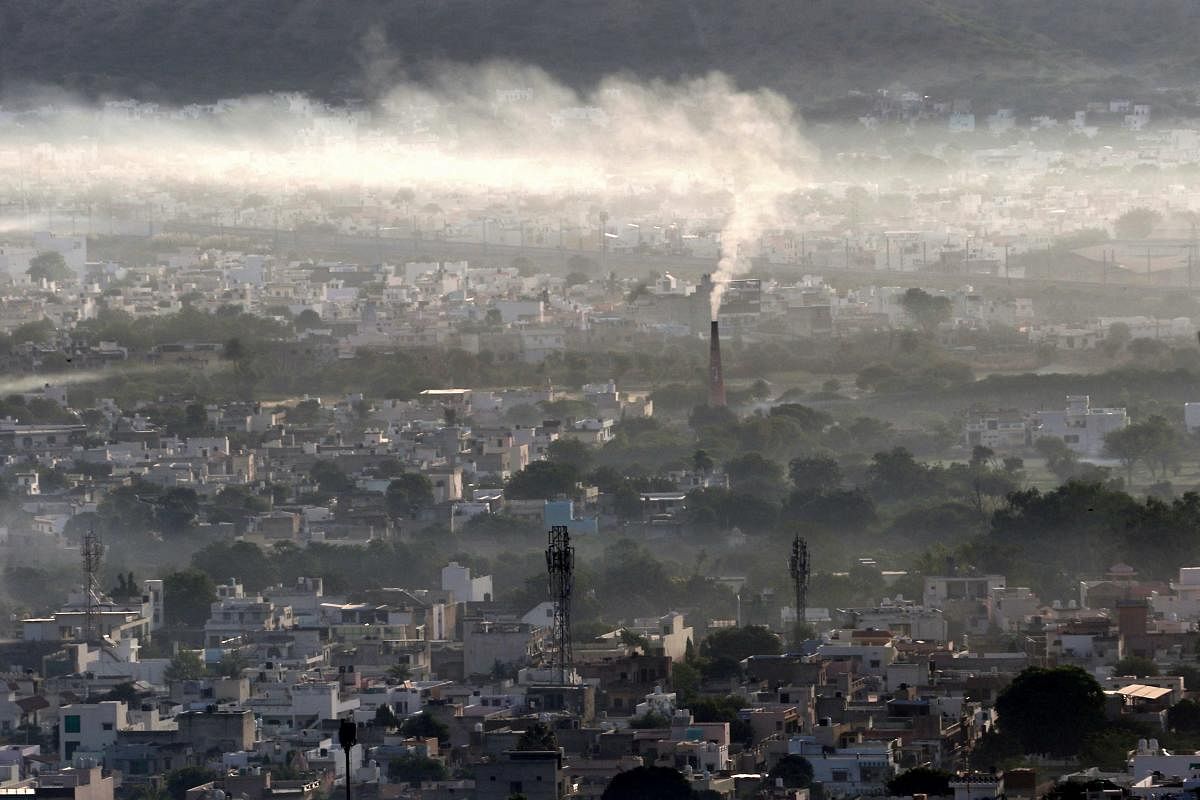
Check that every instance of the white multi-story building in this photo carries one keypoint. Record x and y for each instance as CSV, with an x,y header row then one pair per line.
x,y
999,430
1184,601
1081,427
457,579
236,615
91,727
861,768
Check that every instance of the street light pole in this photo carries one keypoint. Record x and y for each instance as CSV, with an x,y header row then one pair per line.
x,y
347,736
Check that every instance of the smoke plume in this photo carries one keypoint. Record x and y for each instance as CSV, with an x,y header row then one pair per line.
x,y
473,135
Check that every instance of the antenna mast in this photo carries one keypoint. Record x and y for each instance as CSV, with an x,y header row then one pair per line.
x,y
799,568
93,553
560,567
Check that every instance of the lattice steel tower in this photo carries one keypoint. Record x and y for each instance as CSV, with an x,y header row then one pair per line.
x,y
92,552
798,566
560,568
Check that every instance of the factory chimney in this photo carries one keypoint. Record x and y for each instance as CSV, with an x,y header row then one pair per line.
x,y
716,379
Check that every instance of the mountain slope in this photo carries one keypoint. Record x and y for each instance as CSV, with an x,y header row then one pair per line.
x,y
201,49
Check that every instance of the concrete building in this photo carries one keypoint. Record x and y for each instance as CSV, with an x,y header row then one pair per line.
x,y
457,579
236,615
536,774
999,430
1081,427
86,782
856,769
509,644
90,727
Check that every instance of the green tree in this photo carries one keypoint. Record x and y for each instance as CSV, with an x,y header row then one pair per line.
x,y
385,717
188,597
648,783
329,477
242,560
995,751
1051,711
408,494
1184,717
651,719
815,474
306,412
1108,748
538,736
896,475
1136,666
926,310
1190,675
414,769
736,644
178,509
49,266
796,772
425,725
185,666
809,419
921,780
542,480
127,588
232,664
307,320
180,780
124,692
572,453
1136,223
685,679
38,332
627,501
399,673
754,474
1060,459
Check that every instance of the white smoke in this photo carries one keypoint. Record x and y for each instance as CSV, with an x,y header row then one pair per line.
x,y
30,383
699,146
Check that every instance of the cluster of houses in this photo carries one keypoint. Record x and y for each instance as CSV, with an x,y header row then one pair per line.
x,y
448,678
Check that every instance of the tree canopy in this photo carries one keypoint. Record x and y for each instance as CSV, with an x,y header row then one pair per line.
x,y
648,783
1051,711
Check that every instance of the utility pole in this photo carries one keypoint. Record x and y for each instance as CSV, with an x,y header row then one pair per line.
x,y
347,737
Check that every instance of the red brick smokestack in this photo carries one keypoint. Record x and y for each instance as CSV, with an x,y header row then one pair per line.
x,y
716,379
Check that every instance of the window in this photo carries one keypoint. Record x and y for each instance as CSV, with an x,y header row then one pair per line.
x,y
71,723
514,787
108,726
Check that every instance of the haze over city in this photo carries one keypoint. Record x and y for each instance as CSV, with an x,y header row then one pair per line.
x,y
551,401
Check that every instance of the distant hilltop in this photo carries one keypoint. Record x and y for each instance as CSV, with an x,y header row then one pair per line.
x,y
1048,53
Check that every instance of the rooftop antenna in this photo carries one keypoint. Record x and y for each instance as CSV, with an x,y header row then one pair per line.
x,y
798,566
560,567
93,553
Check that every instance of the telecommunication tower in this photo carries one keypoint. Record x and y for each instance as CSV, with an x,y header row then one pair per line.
x,y
560,568
93,553
798,566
